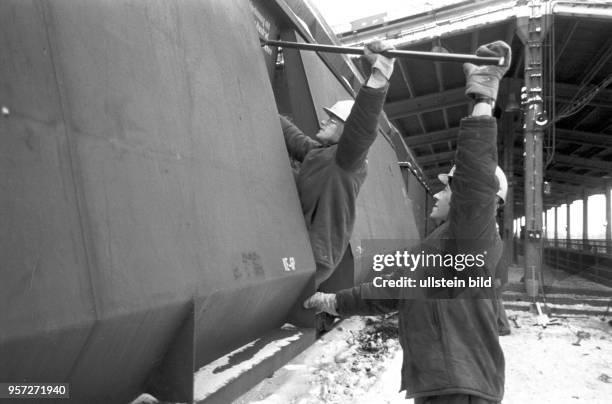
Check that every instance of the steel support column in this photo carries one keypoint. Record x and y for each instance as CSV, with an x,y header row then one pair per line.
x,y
608,218
556,227
568,235
545,228
508,142
585,220
532,30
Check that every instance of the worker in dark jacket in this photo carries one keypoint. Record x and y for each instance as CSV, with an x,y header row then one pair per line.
x,y
451,347
501,270
334,167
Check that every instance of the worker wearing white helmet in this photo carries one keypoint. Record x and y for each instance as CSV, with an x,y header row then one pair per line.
x,y
334,166
439,212
442,205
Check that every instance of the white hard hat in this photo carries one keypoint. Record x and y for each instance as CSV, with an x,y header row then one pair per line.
x,y
341,109
499,173
444,177
503,183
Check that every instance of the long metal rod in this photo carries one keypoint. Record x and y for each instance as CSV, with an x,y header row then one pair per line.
x,y
433,56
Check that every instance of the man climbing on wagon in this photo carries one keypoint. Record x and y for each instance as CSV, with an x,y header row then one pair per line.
x,y
451,350
334,167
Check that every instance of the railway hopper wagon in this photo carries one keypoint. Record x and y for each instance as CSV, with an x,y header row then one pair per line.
x,y
152,236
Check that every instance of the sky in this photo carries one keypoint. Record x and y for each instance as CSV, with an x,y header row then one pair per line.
x,y
596,225
596,220
340,13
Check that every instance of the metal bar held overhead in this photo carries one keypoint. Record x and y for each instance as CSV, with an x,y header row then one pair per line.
x,y
433,56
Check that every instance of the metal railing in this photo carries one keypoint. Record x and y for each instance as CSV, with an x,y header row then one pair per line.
x,y
592,259
598,246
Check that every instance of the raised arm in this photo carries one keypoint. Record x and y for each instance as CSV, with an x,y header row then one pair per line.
x,y
360,127
474,186
298,144
473,206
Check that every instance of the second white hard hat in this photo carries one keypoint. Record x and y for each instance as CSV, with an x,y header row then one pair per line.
x,y
499,173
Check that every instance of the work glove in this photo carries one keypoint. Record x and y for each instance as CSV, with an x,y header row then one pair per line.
x,y
483,81
322,302
379,62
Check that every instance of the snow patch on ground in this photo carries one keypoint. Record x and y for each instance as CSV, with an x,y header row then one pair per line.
x,y
353,363
546,365
543,365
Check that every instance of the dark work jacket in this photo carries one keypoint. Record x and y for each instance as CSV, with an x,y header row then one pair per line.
x,y
330,177
452,346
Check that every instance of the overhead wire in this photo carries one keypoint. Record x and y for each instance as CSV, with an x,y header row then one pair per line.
x,y
578,103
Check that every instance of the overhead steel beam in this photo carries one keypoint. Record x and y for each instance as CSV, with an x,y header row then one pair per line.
x,y
565,93
406,78
558,194
556,186
565,41
432,173
426,103
592,139
574,189
558,190
548,203
451,98
433,179
436,158
432,137
440,79
599,61
559,197
584,117
583,162
604,126
587,180
582,9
